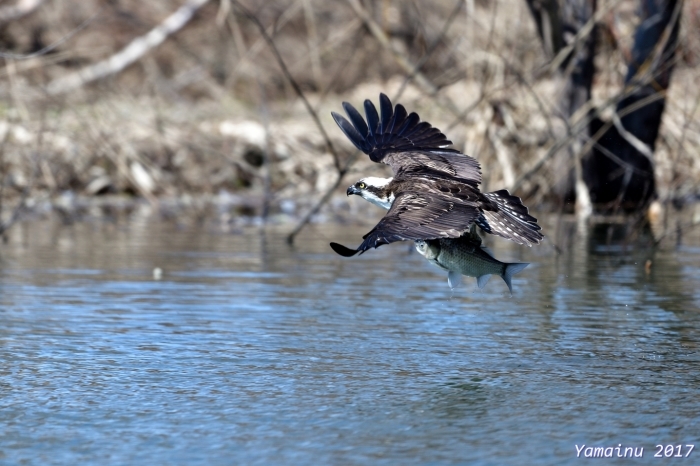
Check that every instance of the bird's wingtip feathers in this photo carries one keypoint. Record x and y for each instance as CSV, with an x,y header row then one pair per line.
x,y
391,129
343,250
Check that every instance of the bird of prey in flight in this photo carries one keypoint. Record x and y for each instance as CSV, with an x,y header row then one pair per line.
x,y
434,192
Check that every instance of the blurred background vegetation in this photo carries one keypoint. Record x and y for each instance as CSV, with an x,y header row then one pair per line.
x,y
198,103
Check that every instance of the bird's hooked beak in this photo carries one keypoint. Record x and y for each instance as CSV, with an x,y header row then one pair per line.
x,y
352,190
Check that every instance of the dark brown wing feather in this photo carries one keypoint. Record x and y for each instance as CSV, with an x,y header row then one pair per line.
x,y
410,147
436,165
418,215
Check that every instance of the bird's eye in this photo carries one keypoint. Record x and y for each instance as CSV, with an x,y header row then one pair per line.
x,y
361,185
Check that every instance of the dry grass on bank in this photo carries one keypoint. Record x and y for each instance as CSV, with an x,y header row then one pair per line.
x,y
208,113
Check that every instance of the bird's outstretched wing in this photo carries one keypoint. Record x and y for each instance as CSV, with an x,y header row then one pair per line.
x,y
414,216
409,146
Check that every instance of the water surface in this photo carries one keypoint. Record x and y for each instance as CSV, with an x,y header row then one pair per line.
x,y
249,351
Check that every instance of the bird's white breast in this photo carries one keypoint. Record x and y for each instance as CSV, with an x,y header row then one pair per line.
x,y
384,203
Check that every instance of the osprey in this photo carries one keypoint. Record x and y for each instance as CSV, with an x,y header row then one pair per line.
x,y
434,192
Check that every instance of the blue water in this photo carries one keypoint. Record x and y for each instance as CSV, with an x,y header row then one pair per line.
x,y
249,351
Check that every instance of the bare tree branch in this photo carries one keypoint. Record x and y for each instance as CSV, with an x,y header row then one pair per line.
x,y
128,55
341,170
426,56
14,216
579,125
401,59
20,9
641,147
253,50
326,196
292,81
549,24
581,35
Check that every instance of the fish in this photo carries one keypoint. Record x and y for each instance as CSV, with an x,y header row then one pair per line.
x,y
466,256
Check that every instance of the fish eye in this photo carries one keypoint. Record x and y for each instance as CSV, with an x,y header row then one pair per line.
x,y
361,185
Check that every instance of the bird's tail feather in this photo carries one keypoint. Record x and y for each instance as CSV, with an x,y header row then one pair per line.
x,y
510,219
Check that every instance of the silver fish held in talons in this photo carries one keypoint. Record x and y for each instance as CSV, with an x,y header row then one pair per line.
x,y
466,256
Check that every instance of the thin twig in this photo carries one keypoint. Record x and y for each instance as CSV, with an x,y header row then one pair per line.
x,y
326,196
16,213
581,35
267,160
581,124
640,146
684,131
292,81
312,39
428,53
245,57
3,170
680,228
400,58
341,170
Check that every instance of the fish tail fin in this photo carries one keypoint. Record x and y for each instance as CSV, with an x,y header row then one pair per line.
x,y
512,269
505,215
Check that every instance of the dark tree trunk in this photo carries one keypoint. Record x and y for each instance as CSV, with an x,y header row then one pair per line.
x,y
625,180
549,24
557,23
618,171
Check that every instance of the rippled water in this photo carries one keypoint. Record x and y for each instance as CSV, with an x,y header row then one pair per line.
x,y
249,351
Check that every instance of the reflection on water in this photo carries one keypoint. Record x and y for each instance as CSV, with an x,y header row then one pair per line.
x,y
249,351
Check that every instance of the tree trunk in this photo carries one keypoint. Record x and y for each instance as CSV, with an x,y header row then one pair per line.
x,y
549,24
558,23
619,171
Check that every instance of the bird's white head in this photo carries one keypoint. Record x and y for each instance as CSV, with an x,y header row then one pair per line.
x,y
375,190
